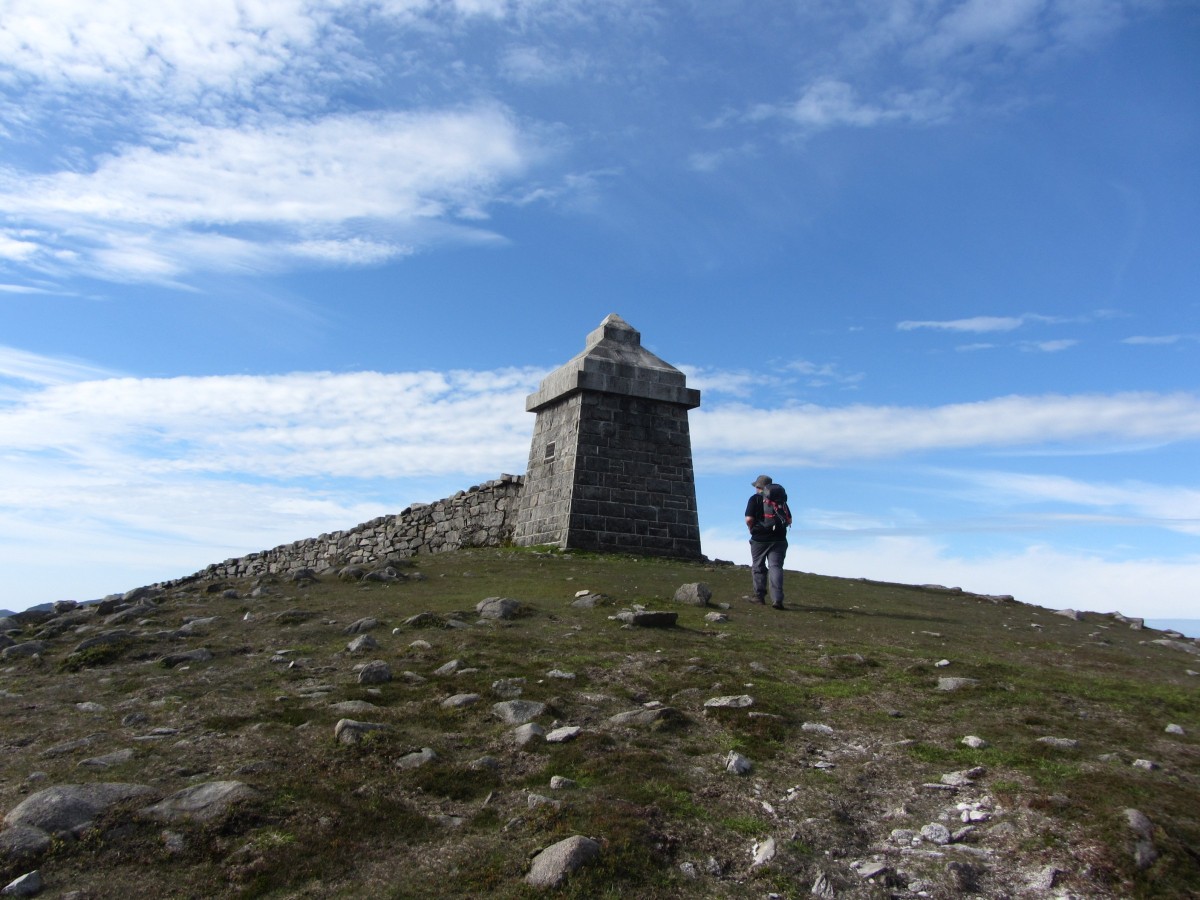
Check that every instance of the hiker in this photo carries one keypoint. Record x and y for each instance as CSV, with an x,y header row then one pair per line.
x,y
767,519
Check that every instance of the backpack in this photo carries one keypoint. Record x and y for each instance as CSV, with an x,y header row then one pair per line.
x,y
777,518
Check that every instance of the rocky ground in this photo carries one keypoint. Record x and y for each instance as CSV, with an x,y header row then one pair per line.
x,y
512,723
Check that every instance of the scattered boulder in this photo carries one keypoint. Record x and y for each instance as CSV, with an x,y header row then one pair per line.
x,y
375,672
362,626
416,759
518,712
348,731
1144,852
71,808
362,644
552,866
695,594
733,702
956,684
498,608
201,803
28,885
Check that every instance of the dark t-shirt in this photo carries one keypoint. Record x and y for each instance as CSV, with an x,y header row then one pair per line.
x,y
754,510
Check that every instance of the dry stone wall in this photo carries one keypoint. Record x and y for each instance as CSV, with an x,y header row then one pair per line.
x,y
482,516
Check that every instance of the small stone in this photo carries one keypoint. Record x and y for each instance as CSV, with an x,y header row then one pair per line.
x,y
559,674
1174,729
564,734
559,783
763,852
956,684
974,742
1059,743
449,668
1146,764
936,833
459,701
528,732
417,759
362,643
733,702
375,672
518,712
498,608
816,728
737,764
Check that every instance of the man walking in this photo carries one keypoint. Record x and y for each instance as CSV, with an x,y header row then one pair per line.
x,y
767,522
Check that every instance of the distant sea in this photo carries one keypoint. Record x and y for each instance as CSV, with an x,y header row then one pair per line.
x,y
1187,627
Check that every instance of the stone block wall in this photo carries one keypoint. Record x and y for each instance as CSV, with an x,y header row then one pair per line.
x,y
482,516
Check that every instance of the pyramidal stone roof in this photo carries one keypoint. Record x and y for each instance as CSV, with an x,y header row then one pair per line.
x,y
615,362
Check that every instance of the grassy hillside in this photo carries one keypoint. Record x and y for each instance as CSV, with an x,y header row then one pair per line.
x,y
848,736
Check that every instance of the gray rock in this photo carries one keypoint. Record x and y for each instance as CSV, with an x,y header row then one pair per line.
x,y
956,684
71,746
1163,642
353,707
71,808
24,650
528,732
448,669
509,688
171,660
28,885
23,842
737,764
974,742
559,783
564,734
459,701
416,759
498,608
936,833
201,803
517,712
362,643
640,718
375,672
349,731
739,701
552,866
1174,729
108,760
1059,743
695,594
361,627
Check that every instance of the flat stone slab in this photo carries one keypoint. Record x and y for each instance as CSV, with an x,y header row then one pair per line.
x,y
648,619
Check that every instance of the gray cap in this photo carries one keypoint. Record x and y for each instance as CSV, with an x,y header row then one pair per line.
x,y
761,481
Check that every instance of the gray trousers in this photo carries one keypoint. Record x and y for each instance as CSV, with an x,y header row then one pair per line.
x,y
766,565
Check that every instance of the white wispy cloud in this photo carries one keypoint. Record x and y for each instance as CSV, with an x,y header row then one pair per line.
x,y
982,324
40,369
831,103
1176,507
810,434
349,189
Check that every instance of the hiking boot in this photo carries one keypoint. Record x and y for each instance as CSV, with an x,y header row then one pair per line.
x,y
777,605
750,598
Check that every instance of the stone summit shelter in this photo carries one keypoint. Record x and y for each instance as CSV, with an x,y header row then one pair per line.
x,y
610,470
610,465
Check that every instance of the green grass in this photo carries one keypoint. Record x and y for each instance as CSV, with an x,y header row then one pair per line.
x,y
860,657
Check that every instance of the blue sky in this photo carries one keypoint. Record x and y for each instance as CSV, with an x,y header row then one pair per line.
x,y
271,269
